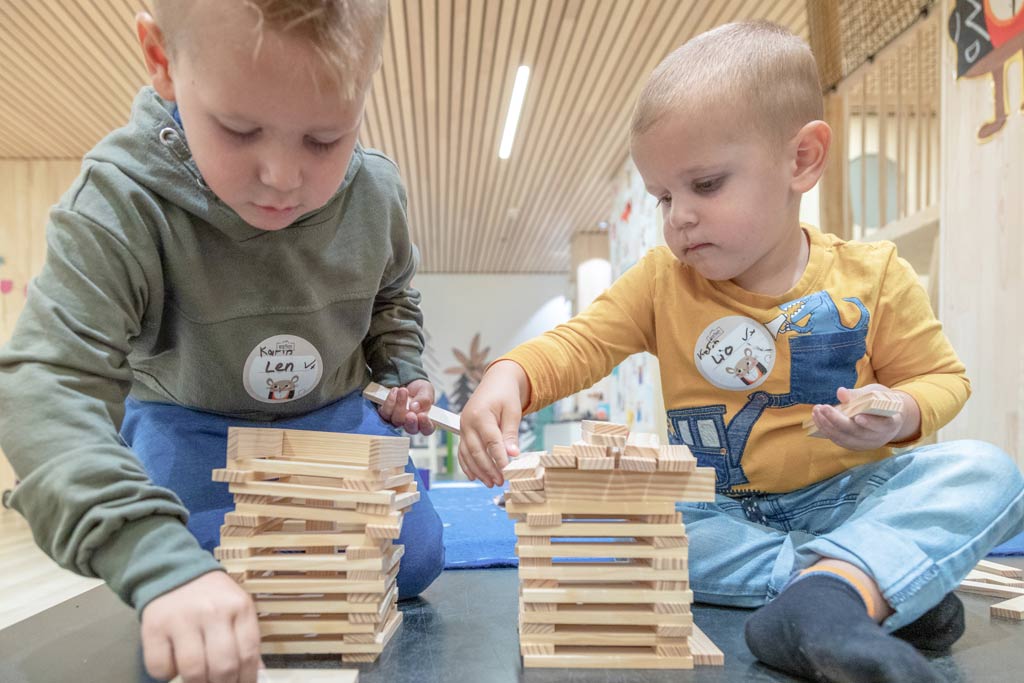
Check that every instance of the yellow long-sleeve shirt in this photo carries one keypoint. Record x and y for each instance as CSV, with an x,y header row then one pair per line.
x,y
740,371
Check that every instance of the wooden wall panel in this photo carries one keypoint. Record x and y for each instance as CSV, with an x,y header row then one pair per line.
x,y
982,249
27,191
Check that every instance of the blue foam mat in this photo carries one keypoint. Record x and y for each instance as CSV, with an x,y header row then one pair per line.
x,y
477,533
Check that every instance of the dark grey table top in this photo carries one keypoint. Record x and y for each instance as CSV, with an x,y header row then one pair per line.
x,y
463,629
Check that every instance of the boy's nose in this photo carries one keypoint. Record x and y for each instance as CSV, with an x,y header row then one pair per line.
x,y
681,216
281,174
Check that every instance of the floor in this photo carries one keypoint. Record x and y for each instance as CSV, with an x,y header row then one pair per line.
x,y
462,630
30,582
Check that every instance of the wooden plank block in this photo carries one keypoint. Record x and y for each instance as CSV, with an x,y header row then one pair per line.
x,y
303,676
605,440
599,427
991,589
360,450
872,403
332,645
304,562
642,445
622,634
602,572
574,657
600,462
441,418
601,594
676,458
1010,609
985,577
526,496
330,493
602,530
523,467
705,652
532,483
281,467
617,485
601,614
322,604
593,507
543,519
638,463
297,625
560,456
314,513
618,550
1001,569
582,449
254,442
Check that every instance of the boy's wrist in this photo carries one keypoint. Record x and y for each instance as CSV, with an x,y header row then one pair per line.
x,y
514,372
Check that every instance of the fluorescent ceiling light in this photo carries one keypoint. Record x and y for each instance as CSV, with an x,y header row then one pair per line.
x,y
515,107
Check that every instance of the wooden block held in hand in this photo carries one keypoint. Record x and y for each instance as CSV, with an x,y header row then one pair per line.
x,y
441,418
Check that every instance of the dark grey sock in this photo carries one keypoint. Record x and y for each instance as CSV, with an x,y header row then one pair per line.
x,y
818,628
937,629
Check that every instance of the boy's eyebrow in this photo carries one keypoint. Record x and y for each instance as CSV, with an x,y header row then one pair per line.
x,y
247,123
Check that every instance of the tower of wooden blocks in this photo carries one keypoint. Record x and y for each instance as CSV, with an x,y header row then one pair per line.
x,y
311,537
604,581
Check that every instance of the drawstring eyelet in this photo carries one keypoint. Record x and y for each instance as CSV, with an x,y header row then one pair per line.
x,y
167,136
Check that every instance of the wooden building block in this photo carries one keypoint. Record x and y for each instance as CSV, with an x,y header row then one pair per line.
x,y
607,440
303,676
582,449
527,496
637,463
532,483
997,579
642,445
872,403
617,485
990,589
523,467
441,418
1001,569
598,427
253,442
560,457
595,463
1010,609
705,653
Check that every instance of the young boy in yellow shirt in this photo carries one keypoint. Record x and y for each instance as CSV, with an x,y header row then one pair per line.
x,y
758,323
232,256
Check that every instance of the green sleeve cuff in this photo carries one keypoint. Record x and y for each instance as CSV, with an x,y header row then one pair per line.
x,y
149,557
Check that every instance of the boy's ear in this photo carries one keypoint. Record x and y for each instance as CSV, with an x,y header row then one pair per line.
x,y
810,152
155,51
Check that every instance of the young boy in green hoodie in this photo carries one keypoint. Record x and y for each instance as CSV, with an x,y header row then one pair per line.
x,y
231,257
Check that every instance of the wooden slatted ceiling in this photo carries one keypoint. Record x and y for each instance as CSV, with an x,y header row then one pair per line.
x,y
70,68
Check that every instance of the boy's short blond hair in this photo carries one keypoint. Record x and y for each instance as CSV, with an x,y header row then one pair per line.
x,y
758,68
346,35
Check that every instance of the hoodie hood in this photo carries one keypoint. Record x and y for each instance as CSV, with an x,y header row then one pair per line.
x,y
153,151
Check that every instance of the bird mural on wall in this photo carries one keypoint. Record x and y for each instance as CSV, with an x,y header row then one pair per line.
x,y
988,34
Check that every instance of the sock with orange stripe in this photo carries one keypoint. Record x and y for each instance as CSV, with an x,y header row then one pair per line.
x,y
819,628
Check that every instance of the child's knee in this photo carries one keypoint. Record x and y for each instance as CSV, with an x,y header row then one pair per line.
x,y
420,566
992,463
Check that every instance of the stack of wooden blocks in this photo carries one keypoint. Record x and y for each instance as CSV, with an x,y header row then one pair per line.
x,y
312,534
998,581
604,581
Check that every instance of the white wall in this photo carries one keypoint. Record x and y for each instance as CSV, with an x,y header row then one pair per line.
x,y
505,309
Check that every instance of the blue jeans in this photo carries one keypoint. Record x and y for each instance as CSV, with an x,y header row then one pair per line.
x,y
179,447
916,522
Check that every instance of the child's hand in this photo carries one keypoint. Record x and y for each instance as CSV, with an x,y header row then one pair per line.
x,y
490,423
204,631
868,432
408,407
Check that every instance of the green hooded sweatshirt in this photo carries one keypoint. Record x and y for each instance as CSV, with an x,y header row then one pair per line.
x,y
154,287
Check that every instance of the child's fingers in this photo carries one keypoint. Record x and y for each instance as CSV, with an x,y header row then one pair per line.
x,y
480,462
222,665
411,423
425,425
189,654
158,655
247,637
466,445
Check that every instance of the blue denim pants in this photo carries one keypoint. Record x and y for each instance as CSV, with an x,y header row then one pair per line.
x,y
916,522
179,447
